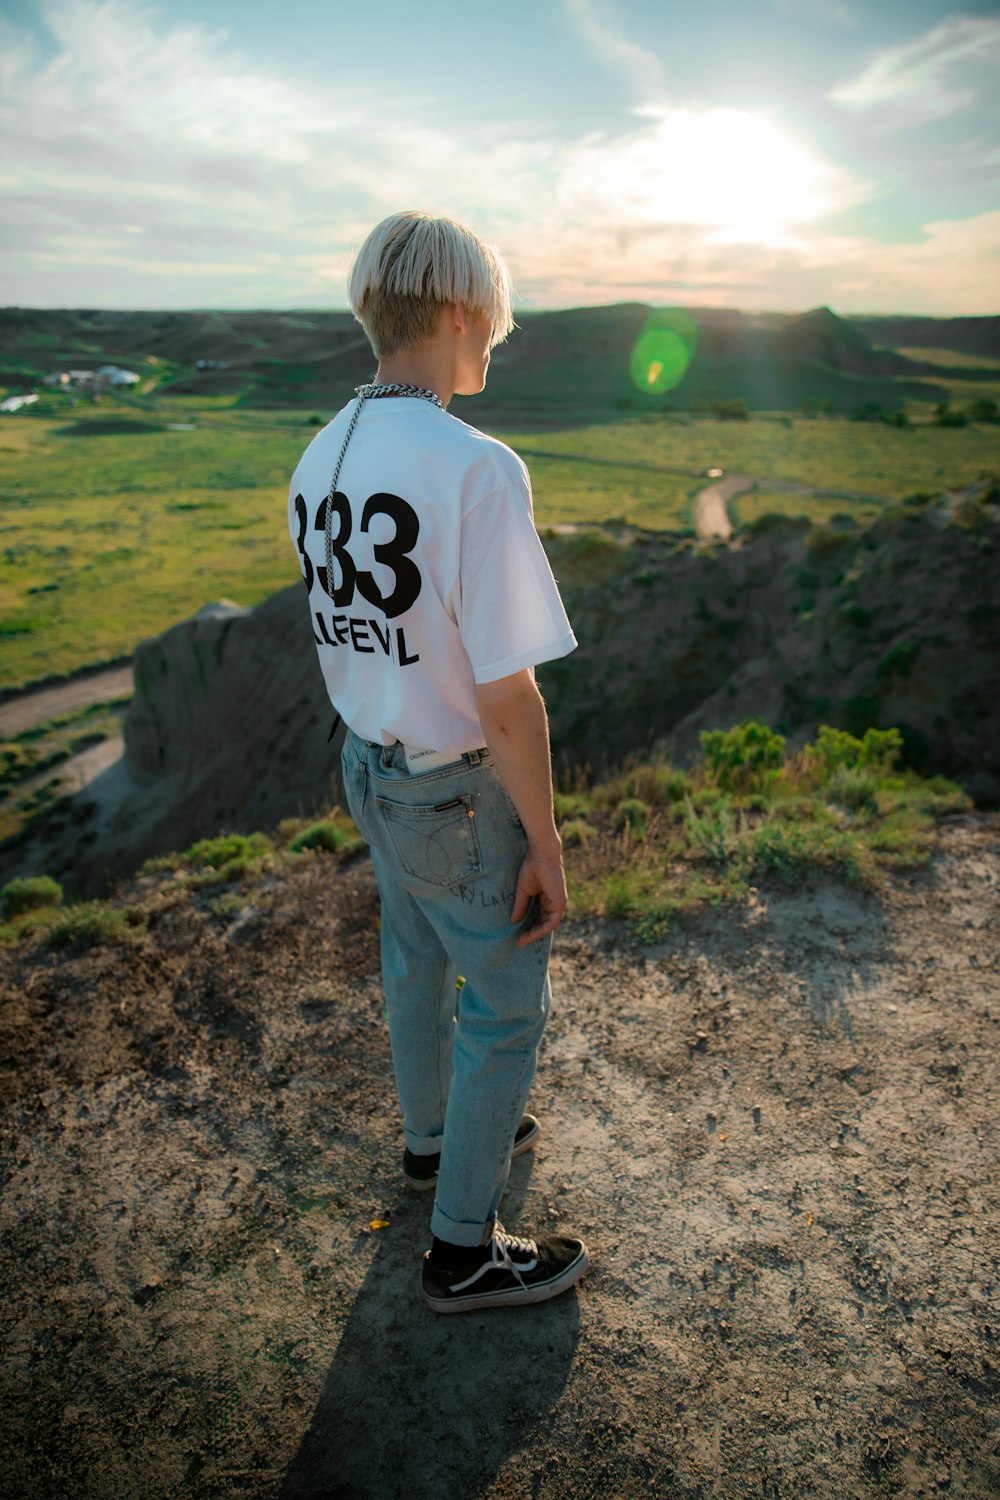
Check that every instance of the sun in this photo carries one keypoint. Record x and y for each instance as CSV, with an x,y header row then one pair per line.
x,y
734,173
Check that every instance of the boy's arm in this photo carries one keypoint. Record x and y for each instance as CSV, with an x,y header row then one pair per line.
x,y
516,729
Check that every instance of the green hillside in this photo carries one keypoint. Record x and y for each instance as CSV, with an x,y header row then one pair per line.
x,y
558,367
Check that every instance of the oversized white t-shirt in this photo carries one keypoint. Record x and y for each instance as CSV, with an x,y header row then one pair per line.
x,y
440,581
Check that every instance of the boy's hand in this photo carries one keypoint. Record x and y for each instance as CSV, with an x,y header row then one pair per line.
x,y
543,881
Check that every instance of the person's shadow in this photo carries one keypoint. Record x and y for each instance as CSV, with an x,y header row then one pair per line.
x,y
425,1405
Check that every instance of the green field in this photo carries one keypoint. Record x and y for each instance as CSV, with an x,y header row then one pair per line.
x,y
865,457
114,526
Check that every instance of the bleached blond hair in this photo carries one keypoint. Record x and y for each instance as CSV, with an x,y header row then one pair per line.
x,y
411,266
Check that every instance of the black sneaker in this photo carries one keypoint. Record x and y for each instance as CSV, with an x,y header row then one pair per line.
x,y
513,1273
421,1172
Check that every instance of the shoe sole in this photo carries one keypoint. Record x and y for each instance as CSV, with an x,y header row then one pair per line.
x,y
428,1184
518,1296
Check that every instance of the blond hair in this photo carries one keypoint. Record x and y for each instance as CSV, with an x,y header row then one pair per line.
x,y
411,266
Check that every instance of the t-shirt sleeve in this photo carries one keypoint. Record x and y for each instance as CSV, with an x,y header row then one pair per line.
x,y
511,615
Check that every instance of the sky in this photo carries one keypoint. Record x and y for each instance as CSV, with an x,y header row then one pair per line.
x,y
761,154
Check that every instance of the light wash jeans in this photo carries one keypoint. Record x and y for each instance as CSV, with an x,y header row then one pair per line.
x,y
446,847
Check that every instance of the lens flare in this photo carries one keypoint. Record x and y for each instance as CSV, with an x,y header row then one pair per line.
x,y
664,350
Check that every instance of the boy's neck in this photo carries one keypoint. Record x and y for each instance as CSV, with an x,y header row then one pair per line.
x,y
430,367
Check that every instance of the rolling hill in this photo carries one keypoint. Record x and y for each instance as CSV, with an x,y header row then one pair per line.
x,y
562,366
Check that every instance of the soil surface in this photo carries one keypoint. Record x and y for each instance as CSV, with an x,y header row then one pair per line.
x,y
777,1132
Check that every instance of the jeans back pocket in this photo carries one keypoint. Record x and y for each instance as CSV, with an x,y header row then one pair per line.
x,y
438,844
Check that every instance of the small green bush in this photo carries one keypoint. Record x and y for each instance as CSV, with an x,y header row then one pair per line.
x,y
226,849
94,924
29,893
783,851
877,749
716,834
853,788
744,758
576,831
325,835
571,805
633,813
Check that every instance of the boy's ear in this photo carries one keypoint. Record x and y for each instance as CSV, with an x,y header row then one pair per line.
x,y
460,314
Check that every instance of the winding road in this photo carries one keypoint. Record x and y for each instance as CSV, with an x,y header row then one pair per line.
x,y
41,705
711,509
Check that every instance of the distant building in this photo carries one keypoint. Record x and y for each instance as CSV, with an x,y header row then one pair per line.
x,y
14,403
96,379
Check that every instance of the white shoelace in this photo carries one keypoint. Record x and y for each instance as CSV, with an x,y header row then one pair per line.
x,y
499,1259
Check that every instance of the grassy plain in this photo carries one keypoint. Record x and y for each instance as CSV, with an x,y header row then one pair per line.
x,y
868,458
110,536
114,524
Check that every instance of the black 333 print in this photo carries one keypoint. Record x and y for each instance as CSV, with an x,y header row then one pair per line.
x,y
394,554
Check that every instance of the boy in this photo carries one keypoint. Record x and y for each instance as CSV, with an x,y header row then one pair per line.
x,y
431,602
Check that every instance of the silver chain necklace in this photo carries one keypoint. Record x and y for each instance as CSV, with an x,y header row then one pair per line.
x,y
365,393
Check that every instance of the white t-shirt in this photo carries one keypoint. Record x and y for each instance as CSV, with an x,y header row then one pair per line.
x,y
440,580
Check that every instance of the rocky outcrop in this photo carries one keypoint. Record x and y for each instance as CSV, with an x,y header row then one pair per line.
x,y
230,712
228,729
893,624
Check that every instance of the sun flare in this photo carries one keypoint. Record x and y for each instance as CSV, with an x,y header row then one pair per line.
x,y
734,173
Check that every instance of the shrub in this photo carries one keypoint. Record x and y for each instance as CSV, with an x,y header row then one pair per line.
x,y
798,851
673,786
850,787
94,924
29,893
632,813
877,749
226,849
571,805
576,831
325,835
656,784
716,834
743,758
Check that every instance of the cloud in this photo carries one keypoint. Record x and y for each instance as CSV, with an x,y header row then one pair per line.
x,y
152,164
944,272
640,66
919,76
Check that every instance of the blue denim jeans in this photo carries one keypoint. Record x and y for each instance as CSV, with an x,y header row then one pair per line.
x,y
446,848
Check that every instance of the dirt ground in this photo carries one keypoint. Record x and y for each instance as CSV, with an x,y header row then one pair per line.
x,y
777,1132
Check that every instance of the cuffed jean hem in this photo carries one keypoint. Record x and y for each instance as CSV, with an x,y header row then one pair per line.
x,y
423,1145
443,1228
